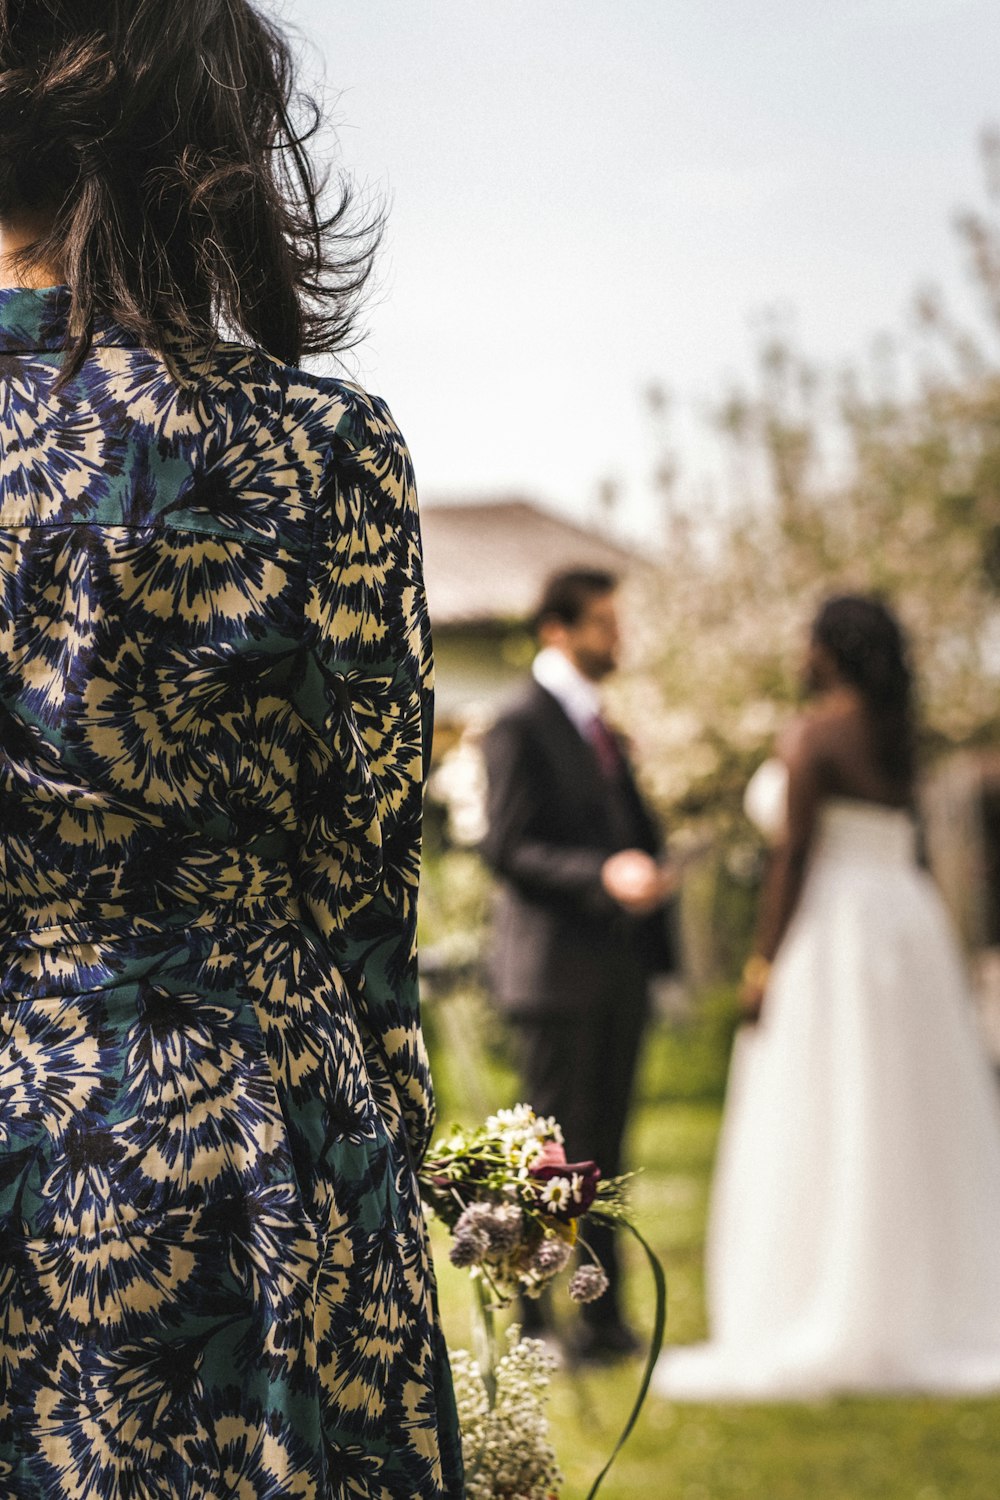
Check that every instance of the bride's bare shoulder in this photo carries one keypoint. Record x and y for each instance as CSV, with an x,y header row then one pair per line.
x,y
799,735
813,732
790,740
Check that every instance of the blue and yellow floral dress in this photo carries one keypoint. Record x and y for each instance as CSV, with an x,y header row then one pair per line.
x,y
214,722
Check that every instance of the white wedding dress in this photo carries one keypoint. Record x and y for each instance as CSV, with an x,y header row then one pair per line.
x,y
854,1232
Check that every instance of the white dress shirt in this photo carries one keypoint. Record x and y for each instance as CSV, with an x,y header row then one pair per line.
x,y
576,694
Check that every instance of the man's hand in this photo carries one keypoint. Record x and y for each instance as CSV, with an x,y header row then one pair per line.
x,y
635,880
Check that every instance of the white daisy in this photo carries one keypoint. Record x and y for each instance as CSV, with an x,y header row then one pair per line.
x,y
557,1192
529,1153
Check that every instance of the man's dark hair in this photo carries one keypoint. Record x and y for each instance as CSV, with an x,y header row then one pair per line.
x,y
567,593
167,141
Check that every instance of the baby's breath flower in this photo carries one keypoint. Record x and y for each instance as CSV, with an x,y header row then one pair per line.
x,y
588,1283
507,1449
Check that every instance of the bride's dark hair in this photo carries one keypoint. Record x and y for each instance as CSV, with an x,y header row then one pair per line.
x,y
868,645
162,144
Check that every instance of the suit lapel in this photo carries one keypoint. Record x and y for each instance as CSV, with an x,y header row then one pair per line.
x,y
572,750
578,760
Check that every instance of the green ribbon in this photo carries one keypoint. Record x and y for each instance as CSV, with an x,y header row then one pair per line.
x,y
655,1345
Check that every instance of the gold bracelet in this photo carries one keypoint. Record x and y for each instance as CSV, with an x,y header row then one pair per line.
x,y
757,971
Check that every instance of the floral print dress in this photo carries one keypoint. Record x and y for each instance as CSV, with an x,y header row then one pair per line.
x,y
214,720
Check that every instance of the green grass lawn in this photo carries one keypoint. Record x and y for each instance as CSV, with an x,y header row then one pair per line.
x,y
836,1450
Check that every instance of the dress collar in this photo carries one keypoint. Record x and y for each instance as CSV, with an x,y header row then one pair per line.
x,y
35,318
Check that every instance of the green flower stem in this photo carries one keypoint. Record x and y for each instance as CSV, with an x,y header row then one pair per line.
x,y
655,1345
485,1339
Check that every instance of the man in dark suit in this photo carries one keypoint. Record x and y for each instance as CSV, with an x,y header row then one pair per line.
x,y
580,924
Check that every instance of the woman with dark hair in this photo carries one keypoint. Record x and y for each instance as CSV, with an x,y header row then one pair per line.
x,y
856,1203
214,724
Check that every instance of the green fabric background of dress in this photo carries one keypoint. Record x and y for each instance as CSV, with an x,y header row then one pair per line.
x,y
215,697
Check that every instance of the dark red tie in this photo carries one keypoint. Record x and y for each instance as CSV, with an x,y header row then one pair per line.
x,y
609,756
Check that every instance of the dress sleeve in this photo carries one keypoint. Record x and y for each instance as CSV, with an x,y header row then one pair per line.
x,y
369,685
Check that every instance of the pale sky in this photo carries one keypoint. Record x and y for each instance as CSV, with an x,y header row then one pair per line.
x,y
590,194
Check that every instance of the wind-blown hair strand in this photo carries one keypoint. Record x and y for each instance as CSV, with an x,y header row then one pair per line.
x,y
162,147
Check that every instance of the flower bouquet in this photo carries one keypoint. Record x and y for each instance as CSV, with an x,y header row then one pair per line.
x,y
515,1207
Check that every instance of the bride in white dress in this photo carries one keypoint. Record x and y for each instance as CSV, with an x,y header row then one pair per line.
x,y
854,1233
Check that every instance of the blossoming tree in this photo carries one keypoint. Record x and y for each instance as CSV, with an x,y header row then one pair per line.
x,y
885,478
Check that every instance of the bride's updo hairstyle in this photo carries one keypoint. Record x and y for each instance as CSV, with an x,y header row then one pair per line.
x,y
867,643
161,147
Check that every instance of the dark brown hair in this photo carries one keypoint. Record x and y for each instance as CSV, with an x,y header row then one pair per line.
x,y
869,648
566,594
166,141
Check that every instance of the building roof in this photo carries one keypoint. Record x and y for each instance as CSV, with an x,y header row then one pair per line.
x,y
486,561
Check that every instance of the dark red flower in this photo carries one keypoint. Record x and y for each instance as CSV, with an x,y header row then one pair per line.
x,y
588,1172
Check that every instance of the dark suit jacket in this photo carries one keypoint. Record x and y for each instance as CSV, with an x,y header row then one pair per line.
x,y
559,941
